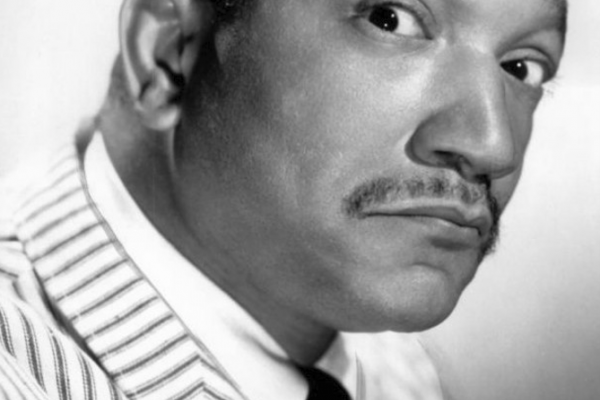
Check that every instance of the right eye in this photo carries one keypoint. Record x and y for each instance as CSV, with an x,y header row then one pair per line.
x,y
396,20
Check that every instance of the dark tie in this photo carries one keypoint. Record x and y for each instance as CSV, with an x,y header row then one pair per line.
x,y
322,386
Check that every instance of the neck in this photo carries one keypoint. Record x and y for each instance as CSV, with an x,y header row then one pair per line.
x,y
144,161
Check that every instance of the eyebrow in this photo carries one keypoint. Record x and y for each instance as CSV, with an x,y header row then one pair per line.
x,y
560,7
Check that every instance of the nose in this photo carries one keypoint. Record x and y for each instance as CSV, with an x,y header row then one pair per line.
x,y
468,128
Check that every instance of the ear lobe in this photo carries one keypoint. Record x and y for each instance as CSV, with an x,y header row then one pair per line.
x,y
159,45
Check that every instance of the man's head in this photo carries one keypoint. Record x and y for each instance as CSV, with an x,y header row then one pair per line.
x,y
344,162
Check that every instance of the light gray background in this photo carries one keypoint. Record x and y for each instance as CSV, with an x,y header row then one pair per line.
x,y
528,327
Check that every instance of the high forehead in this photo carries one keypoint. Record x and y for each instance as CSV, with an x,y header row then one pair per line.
x,y
556,8
547,15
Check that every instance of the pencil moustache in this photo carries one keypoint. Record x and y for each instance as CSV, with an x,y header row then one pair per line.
x,y
381,191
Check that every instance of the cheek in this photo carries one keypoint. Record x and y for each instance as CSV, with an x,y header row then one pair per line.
x,y
317,114
321,118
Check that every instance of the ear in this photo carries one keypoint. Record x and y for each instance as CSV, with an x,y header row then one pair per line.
x,y
160,42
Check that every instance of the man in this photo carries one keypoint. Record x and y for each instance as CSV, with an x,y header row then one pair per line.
x,y
264,175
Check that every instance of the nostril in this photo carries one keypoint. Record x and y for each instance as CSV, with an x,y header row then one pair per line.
x,y
449,159
459,163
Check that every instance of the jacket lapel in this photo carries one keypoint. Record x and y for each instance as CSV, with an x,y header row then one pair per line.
x,y
103,298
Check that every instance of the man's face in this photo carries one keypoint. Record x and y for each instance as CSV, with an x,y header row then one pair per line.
x,y
353,156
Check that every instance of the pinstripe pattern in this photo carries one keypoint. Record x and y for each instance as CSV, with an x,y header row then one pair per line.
x,y
101,295
89,386
11,262
33,354
5,336
44,360
16,385
8,274
62,370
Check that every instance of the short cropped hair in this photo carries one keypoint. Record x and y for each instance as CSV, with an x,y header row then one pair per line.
x,y
230,10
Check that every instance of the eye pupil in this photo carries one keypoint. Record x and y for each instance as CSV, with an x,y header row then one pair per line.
x,y
518,69
384,18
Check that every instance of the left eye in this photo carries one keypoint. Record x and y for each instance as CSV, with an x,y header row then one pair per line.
x,y
396,20
530,72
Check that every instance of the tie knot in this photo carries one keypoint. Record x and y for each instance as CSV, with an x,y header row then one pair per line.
x,y
322,386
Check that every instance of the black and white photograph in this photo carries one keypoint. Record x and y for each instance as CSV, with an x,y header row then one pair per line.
x,y
300,200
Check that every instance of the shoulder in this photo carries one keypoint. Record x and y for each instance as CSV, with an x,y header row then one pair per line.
x,y
38,361
14,264
18,279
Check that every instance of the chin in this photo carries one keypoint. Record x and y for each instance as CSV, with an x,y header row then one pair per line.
x,y
419,314
422,318
420,299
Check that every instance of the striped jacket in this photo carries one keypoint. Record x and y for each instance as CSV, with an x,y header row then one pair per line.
x,y
77,318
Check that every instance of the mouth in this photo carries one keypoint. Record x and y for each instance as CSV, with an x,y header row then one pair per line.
x,y
457,217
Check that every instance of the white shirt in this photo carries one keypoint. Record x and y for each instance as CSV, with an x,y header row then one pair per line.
x,y
381,366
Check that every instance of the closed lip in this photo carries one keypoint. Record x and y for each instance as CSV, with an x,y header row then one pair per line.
x,y
474,217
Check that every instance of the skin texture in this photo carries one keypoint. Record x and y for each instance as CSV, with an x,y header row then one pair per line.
x,y
330,174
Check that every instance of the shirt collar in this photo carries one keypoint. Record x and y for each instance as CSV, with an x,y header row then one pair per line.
x,y
258,364
250,355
